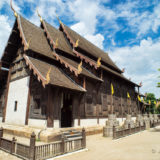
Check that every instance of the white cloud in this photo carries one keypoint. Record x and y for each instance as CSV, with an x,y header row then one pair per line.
x,y
96,40
4,32
141,63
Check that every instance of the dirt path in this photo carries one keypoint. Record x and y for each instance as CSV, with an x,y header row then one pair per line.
x,y
143,145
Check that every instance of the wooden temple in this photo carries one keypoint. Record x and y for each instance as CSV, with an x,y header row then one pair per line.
x,y
56,78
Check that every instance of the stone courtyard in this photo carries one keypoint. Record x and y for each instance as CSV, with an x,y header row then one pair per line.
x,y
142,145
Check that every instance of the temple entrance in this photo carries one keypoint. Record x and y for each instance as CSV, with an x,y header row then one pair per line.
x,y
66,111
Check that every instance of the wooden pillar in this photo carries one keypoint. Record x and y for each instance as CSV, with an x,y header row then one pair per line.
x,y
101,74
32,146
97,102
84,82
112,110
0,65
28,100
50,120
6,95
79,110
121,101
138,103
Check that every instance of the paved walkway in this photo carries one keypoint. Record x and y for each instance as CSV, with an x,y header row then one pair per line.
x,y
143,145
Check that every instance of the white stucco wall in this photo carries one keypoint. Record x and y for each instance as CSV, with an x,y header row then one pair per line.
x,y
18,91
93,122
37,123
56,124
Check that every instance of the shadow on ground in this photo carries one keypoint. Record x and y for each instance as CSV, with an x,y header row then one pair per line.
x,y
155,130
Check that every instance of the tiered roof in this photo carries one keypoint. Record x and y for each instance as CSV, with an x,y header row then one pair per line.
x,y
50,42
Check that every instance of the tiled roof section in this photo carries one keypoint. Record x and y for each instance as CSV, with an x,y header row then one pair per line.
x,y
57,77
90,48
58,36
84,72
36,38
117,74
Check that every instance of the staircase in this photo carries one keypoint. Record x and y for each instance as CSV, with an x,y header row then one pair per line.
x,y
71,135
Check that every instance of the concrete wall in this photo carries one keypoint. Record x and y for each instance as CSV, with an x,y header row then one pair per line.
x,y
93,122
18,91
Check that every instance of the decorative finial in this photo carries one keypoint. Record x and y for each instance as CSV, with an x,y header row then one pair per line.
x,y
123,70
39,16
80,68
28,43
99,62
60,22
140,84
56,45
77,43
15,13
48,76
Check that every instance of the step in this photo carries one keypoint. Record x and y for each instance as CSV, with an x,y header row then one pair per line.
x,y
75,138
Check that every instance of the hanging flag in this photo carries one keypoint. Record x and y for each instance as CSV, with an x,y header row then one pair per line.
x,y
48,76
112,89
128,95
139,98
149,102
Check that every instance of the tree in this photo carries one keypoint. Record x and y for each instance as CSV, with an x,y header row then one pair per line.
x,y
159,77
151,97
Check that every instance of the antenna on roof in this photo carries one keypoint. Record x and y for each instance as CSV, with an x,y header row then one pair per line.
x,y
60,22
39,16
15,13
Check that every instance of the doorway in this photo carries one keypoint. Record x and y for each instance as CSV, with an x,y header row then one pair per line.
x,y
66,111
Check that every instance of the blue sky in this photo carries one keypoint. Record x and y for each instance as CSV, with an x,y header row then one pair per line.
x,y
128,30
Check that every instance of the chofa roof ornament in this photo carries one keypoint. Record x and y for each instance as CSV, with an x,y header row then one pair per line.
x,y
15,13
39,16
60,22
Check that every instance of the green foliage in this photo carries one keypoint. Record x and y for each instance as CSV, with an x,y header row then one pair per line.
x,y
152,108
158,85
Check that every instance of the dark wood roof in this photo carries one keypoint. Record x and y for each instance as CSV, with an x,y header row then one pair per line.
x,y
57,76
38,42
119,75
91,48
63,44
36,38
84,72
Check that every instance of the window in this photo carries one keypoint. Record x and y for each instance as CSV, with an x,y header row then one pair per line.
x,y
15,106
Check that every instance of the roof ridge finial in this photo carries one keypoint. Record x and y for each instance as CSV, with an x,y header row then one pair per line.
x,y
39,16
99,62
28,43
80,68
60,22
48,76
15,13
77,43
